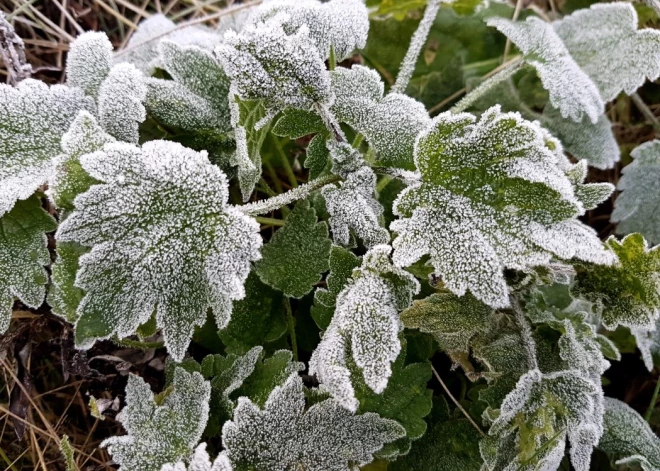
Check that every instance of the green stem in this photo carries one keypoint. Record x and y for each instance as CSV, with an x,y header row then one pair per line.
x,y
654,399
285,163
269,221
291,323
137,344
332,61
358,140
506,71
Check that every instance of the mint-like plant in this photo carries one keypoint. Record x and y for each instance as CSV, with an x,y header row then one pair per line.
x,y
285,204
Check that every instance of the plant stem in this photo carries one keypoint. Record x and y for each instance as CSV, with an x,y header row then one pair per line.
x,y
654,399
646,111
137,344
276,202
358,140
331,122
502,73
332,61
291,323
269,221
456,403
416,43
285,162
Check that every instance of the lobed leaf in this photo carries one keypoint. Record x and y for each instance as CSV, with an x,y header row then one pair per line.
x,y
88,62
201,461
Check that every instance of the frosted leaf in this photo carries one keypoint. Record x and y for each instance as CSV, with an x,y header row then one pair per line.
x,y
34,117
453,320
605,42
571,90
594,143
590,195
648,343
201,461
63,296
342,24
546,409
88,62
493,194
627,293
265,63
297,254
121,99
23,255
353,207
70,179
142,48
160,431
390,123
163,239
285,436
235,20
628,435
197,98
636,208
366,321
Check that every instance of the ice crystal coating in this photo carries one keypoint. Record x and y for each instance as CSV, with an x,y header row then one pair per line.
x,y
648,343
285,436
628,435
352,205
390,123
546,409
493,194
297,254
88,62
163,239
366,321
571,90
341,24
594,143
142,48
121,99
201,461
265,63
39,116
453,320
605,42
23,255
160,431
636,208
197,98
628,293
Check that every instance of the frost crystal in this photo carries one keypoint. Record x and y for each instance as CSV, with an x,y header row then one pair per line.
x,y
546,409
605,42
342,24
201,462
160,431
366,320
627,434
390,124
39,116
594,143
493,195
571,90
88,62
23,254
142,48
163,239
353,207
265,63
121,99
285,436
636,209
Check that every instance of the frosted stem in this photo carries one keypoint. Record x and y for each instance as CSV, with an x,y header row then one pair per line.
x,y
525,333
416,43
276,202
331,122
504,72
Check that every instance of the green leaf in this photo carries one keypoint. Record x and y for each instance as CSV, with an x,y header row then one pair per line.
x,y
318,155
257,319
605,42
63,296
405,399
628,293
453,320
121,98
297,254
636,208
627,435
283,435
67,453
295,123
88,62
34,118
493,194
160,433
170,243
23,254
342,263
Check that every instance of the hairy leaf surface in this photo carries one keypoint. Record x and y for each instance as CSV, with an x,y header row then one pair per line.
x,y
201,461
121,99
88,62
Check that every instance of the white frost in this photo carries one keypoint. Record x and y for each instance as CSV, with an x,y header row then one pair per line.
x,y
121,99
